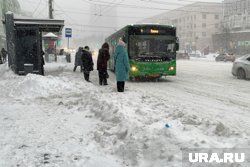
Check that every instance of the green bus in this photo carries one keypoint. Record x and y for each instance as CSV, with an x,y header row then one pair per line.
x,y
151,49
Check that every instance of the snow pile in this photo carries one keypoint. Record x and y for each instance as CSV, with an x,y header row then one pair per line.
x,y
134,128
5,72
75,123
33,86
135,131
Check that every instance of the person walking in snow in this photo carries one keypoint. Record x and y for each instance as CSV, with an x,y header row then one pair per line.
x,y
42,62
87,62
1,62
78,59
121,65
4,55
102,60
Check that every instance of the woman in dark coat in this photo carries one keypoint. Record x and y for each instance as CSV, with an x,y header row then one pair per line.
x,y
4,55
87,62
102,60
122,66
78,59
1,62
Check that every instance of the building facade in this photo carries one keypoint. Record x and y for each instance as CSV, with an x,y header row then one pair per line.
x,y
6,5
236,14
195,23
235,34
2,34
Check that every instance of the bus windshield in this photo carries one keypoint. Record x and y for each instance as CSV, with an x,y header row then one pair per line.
x,y
151,46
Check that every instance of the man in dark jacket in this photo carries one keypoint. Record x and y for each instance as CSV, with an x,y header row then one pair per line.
x,y
102,60
87,62
78,59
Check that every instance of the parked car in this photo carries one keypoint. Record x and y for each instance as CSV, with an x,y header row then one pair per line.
x,y
225,57
196,53
182,55
241,67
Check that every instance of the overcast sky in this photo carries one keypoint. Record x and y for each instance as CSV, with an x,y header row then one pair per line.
x,y
105,16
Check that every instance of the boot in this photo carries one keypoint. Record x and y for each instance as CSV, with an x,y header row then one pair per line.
x,y
86,77
119,86
75,69
100,80
122,86
105,81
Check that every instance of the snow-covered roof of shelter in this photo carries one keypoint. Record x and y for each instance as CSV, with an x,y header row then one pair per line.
x,y
50,35
46,25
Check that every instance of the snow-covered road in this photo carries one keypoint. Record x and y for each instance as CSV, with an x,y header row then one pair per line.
x,y
60,120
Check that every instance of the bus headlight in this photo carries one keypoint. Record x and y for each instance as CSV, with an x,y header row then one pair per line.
x,y
171,68
134,69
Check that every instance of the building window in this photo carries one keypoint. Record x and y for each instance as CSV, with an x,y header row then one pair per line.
x,y
216,17
237,21
204,34
204,16
204,25
216,25
194,25
238,7
248,6
248,21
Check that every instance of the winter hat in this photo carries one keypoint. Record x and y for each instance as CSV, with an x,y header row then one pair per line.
x,y
80,48
105,45
86,47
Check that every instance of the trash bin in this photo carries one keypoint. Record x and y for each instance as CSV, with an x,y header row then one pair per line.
x,y
28,68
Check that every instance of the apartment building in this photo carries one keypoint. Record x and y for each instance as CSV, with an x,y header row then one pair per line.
x,y
236,14
195,23
235,34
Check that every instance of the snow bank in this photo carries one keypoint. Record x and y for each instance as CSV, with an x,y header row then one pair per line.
x,y
135,131
134,128
76,122
33,86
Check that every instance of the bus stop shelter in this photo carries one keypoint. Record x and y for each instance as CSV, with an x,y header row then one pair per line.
x,y
24,42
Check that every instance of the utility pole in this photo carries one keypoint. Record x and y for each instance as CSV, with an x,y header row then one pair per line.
x,y
51,9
